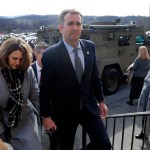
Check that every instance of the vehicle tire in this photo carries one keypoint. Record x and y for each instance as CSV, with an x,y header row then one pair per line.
x,y
110,81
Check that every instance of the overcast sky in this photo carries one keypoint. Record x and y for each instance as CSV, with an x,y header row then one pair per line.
x,y
86,7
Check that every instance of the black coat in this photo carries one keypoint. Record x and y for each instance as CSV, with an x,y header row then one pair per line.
x,y
60,91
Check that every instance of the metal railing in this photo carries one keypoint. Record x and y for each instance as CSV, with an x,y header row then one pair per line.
x,y
121,129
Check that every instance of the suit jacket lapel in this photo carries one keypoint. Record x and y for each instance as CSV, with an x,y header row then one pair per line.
x,y
86,57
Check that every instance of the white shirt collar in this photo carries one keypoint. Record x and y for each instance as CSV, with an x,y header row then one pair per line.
x,y
38,67
70,48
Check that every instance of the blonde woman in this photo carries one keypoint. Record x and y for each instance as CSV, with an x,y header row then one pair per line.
x,y
140,68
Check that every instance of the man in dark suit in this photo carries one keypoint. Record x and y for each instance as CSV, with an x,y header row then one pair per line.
x,y
37,65
66,100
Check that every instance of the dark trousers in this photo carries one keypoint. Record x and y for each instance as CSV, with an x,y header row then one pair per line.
x,y
64,137
136,87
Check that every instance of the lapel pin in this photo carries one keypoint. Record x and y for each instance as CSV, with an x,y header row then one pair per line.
x,y
88,52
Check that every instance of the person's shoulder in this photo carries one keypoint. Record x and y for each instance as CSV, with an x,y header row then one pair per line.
x,y
30,71
137,59
87,41
53,47
52,51
33,63
90,45
147,79
148,74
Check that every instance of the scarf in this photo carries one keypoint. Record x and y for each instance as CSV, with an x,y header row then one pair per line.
x,y
14,79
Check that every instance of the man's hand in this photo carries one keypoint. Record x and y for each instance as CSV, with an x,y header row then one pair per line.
x,y
49,124
103,109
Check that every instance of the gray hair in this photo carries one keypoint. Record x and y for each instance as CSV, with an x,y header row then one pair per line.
x,y
39,46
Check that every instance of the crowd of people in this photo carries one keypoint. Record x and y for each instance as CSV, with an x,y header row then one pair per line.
x,y
58,92
140,89
58,87
140,67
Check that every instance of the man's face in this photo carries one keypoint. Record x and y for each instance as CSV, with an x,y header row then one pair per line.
x,y
71,29
39,57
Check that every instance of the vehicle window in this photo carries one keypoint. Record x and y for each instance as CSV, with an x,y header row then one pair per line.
x,y
140,40
123,41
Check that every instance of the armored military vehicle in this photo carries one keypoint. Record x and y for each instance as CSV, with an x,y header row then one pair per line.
x,y
116,48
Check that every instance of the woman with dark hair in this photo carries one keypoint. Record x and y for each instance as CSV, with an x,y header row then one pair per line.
x,y
19,102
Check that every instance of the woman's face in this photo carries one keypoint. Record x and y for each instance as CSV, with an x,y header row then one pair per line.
x,y
15,59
